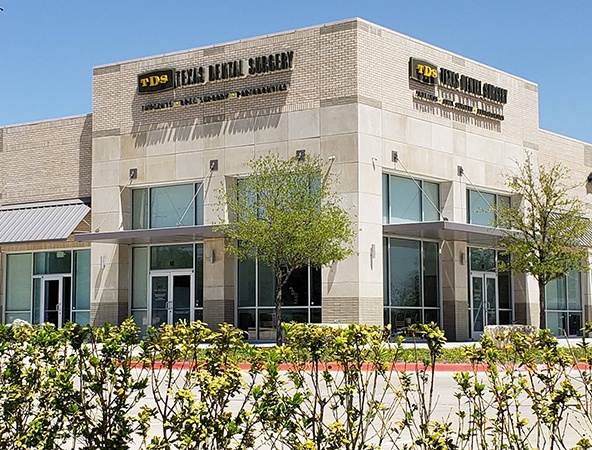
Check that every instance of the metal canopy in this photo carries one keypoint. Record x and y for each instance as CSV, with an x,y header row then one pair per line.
x,y
150,236
447,231
40,222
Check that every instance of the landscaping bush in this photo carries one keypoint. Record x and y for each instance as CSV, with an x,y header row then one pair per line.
x,y
348,388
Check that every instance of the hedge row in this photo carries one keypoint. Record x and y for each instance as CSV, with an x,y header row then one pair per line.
x,y
184,387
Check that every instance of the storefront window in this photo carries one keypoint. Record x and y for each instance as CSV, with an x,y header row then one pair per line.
x,y
81,300
411,277
301,297
48,287
19,269
52,262
407,200
564,305
167,206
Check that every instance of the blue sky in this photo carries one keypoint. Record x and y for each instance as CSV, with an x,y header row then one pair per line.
x,y
48,48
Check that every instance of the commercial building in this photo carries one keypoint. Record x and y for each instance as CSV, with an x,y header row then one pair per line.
x,y
110,214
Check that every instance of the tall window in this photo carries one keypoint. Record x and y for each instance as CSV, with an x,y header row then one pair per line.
x,y
411,283
301,298
167,206
407,200
479,207
564,305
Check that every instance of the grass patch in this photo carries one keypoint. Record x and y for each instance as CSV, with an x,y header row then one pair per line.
x,y
453,355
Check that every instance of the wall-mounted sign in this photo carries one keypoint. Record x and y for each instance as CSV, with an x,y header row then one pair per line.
x,y
156,81
188,101
161,80
423,71
428,73
458,105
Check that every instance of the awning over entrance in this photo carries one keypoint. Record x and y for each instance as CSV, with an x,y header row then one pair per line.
x,y
447,231
150,236
40,222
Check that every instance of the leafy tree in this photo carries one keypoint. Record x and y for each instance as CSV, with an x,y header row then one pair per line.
x,y
286,214
543,233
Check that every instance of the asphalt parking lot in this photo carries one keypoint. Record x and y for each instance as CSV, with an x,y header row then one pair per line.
x,y
445,408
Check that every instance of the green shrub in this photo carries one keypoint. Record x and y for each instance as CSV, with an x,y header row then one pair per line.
x,y
325,389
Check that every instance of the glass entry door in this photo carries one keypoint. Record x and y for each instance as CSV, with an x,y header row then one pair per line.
x,y
53,297
483,302
171,297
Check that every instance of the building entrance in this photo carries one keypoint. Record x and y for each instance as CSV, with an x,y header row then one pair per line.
x,y
52,298
171,297
484,295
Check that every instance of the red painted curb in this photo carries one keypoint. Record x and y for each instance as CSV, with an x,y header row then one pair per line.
x,y
334,367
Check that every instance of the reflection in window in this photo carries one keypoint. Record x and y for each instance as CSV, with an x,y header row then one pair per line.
x,y
156,263
167,206
564,305
53,262
411,274
504,286
301,297
480,204
26,273
482,260
169,257
407,200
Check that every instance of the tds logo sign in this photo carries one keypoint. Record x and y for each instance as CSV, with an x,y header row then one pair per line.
x,y
159,80
423,71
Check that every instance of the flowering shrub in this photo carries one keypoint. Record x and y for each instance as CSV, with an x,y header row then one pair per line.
x,y
189,387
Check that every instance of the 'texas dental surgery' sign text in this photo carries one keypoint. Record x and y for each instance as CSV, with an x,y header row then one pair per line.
x,y
165,79
427,73
489,99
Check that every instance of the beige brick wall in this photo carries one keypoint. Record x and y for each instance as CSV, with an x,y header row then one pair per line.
x,y
383,57
572,154
322,70
45,161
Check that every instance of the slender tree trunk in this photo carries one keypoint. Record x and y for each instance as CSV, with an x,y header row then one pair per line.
x,y
279,334
542,306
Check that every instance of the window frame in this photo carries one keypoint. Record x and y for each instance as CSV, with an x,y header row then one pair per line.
x,y
197,200
312,309
72,274
567,310
423,202
147,271
496,196
388,307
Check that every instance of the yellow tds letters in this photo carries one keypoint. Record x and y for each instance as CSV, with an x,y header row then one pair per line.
x,y
154,80
157,80
423,71
426,71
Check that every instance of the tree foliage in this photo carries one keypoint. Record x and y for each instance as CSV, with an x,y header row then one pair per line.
x,y
544,232
287,215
